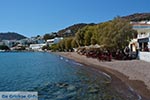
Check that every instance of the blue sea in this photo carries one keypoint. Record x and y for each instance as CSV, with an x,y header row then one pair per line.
x,y
56,78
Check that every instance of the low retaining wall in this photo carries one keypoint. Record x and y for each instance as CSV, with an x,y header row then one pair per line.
x,y
144,56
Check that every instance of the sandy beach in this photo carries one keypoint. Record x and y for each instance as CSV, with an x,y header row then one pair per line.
x,y
134,73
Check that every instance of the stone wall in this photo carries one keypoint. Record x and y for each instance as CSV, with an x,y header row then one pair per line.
x,y
144,56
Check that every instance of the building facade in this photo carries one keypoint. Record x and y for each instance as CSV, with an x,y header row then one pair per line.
x,y
54,41
9,43
142,42
36,47
143,37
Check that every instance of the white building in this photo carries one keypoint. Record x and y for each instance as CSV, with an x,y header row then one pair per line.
x,y
36,47
143,39
1,43
54,41
9,43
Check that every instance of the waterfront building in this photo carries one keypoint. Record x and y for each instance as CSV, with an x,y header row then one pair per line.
x,y
37,40
9,43
142,42
25,42
54,41
1,43
36,47
143,37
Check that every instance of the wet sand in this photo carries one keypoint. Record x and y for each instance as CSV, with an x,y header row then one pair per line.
x,y
133,73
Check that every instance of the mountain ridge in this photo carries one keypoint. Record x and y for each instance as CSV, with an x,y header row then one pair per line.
x,y
11,36
138,17
71,30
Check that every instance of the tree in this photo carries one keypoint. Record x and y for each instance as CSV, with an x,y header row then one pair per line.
x,y
88,34
53,47
4,47
93,40
79,37
68,46
61,45
46,47
114,34
74,43
48,36
121,33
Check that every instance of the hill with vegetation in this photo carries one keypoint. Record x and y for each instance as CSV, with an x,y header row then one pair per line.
x,y
138,17
11,36
67,32
114,34
71,30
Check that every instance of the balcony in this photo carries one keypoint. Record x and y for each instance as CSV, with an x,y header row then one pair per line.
x,y
145,35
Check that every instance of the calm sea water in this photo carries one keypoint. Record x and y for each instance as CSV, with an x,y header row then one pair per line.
x,y
56,78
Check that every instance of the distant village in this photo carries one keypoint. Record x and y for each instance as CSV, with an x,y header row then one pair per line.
x,y
29,44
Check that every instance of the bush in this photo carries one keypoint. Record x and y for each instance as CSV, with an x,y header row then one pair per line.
x,y
4,47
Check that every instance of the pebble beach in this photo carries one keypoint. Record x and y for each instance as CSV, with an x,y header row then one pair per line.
x,y
134,73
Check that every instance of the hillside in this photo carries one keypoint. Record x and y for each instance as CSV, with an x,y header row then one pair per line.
x,y
138,17
11,36
71,30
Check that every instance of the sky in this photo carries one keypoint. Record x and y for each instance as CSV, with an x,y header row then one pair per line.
x,y
37,17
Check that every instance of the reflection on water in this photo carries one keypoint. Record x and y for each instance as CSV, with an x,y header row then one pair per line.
x,y
56,78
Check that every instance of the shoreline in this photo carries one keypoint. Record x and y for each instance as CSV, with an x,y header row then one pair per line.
x,y
119,78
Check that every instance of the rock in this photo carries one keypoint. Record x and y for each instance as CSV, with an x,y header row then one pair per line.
x,y
71,88
60,97
71,94
93,90
57,93
67,96
108,82
61,85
